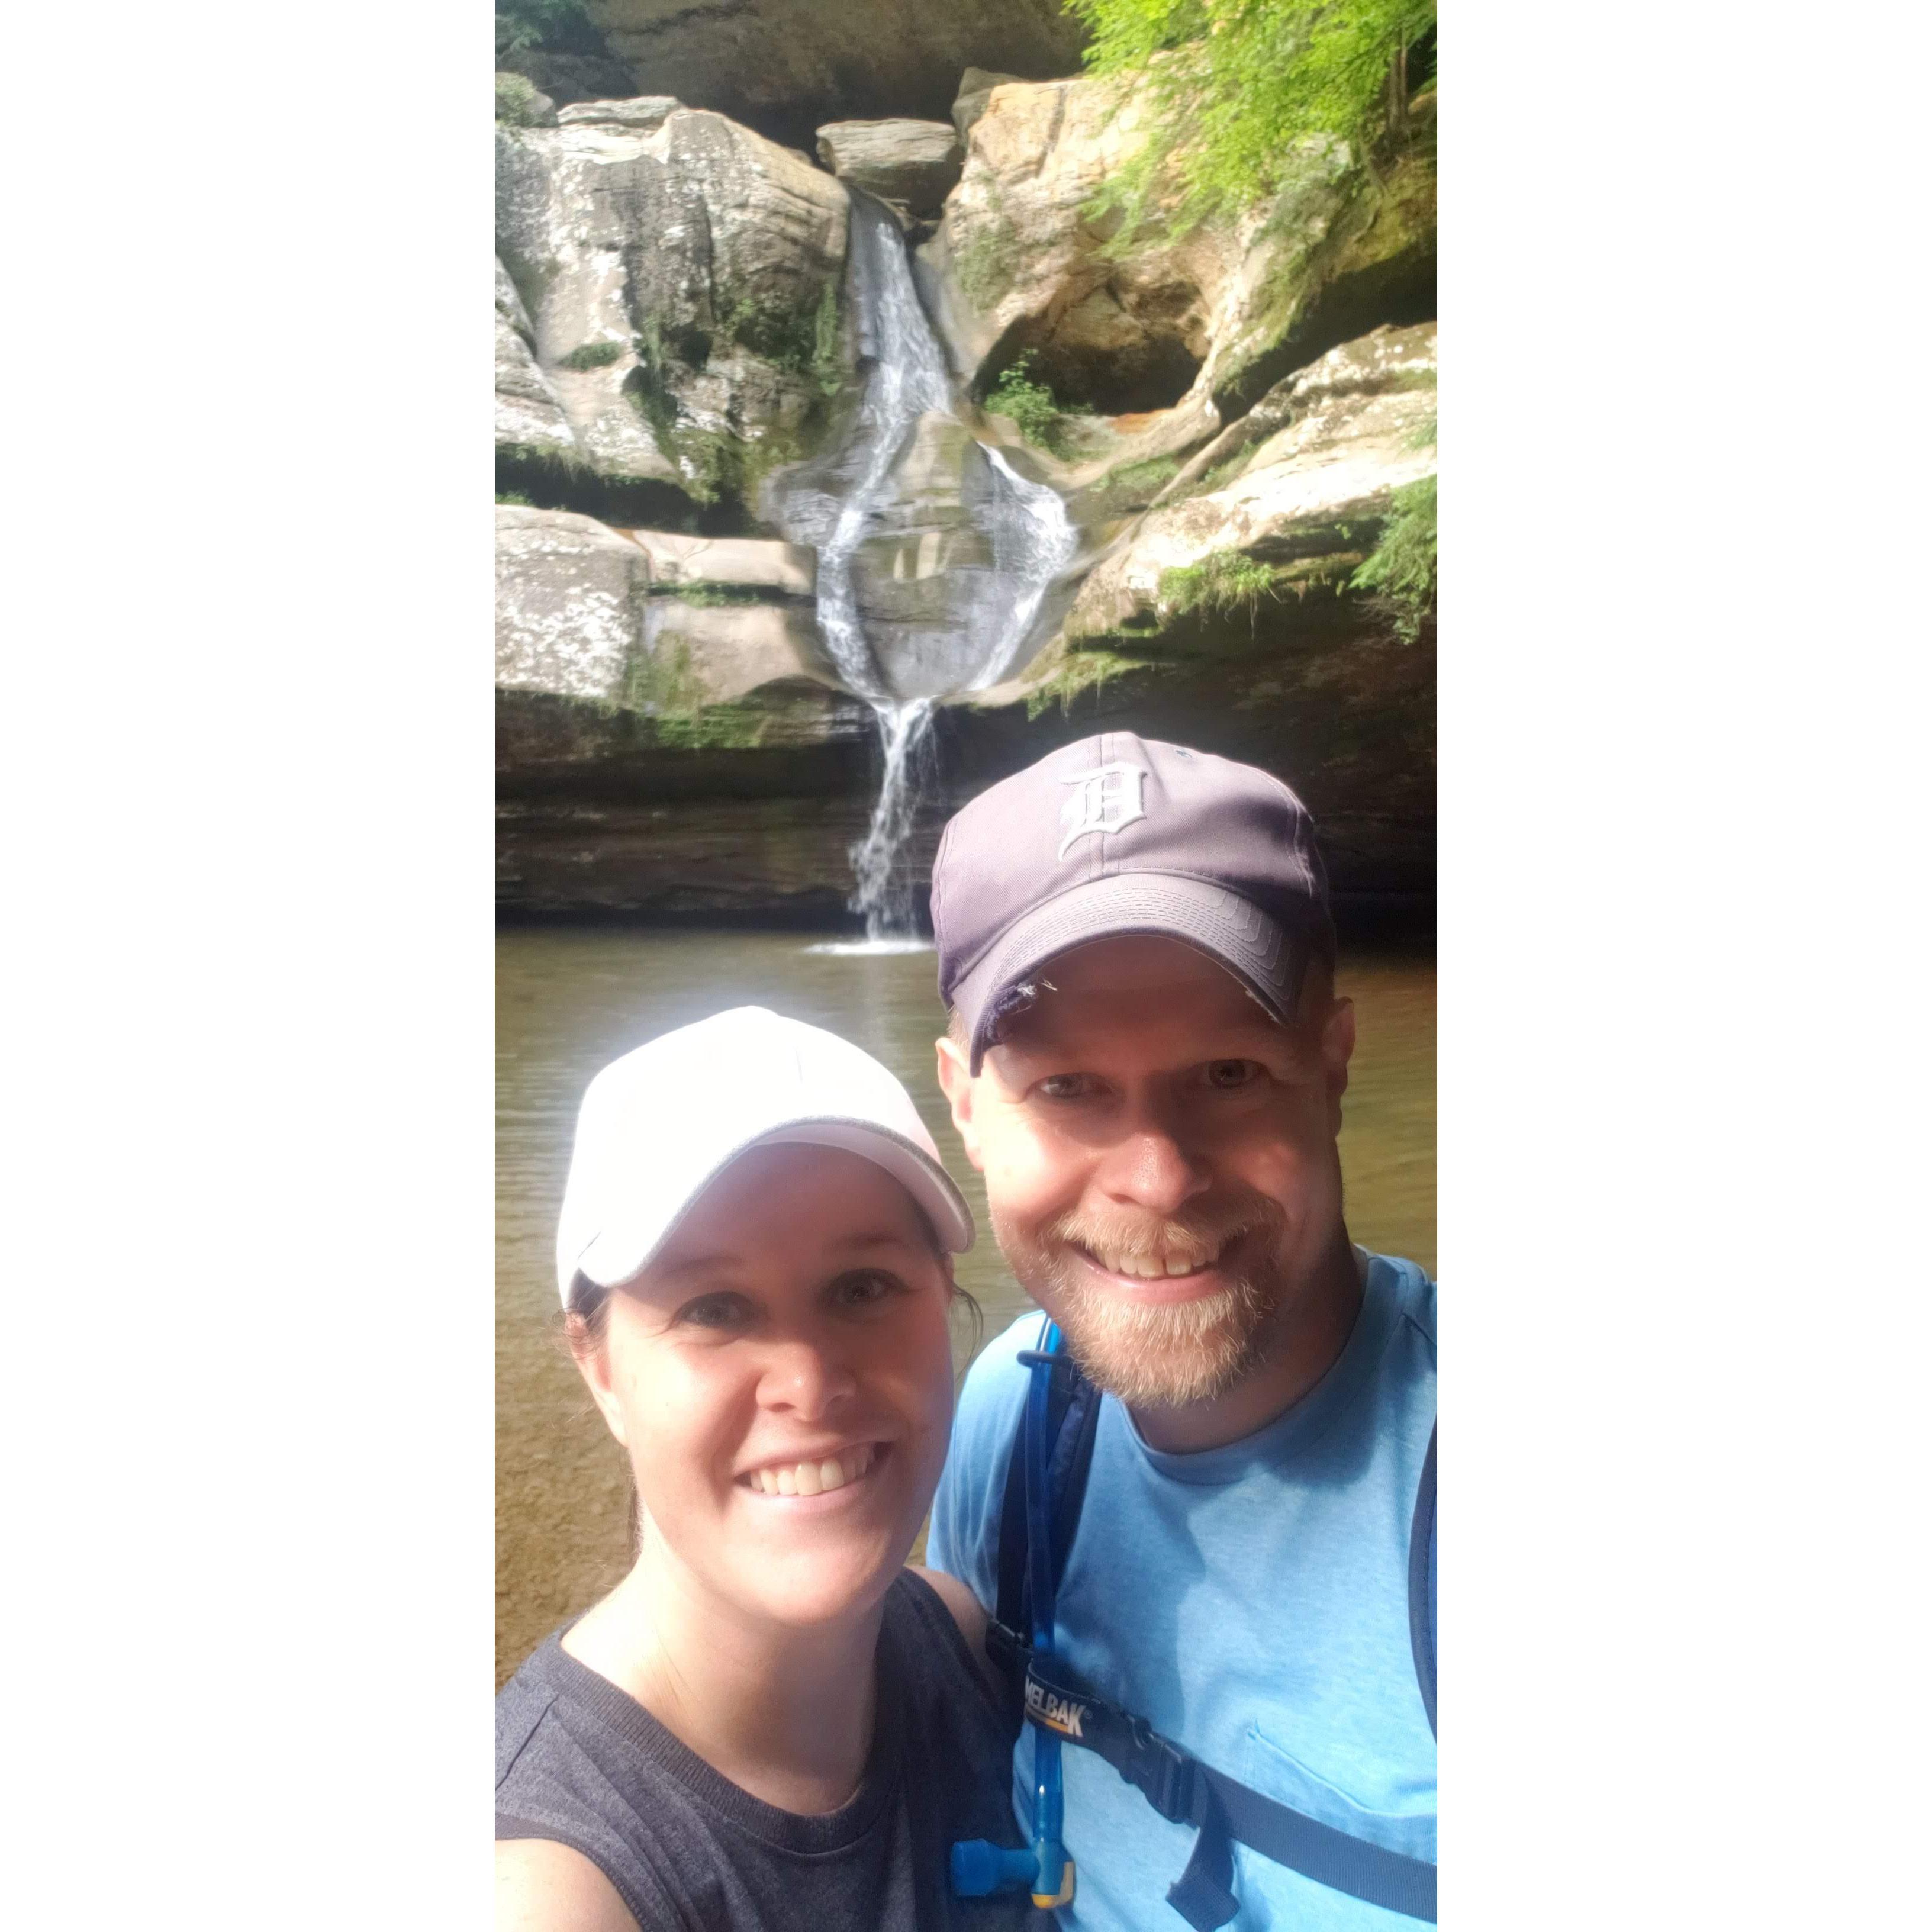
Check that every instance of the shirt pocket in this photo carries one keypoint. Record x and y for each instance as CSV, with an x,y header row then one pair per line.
x,y
1278,1774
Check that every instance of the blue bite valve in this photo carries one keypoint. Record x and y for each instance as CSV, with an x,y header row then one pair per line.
x,y
980,1868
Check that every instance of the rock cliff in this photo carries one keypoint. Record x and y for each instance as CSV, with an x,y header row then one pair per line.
x,y
673,297
787,67
1234,417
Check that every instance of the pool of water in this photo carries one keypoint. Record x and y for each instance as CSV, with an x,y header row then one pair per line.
x,y
568,1000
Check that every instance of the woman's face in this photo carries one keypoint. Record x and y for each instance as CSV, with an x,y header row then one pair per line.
x,y
781,1376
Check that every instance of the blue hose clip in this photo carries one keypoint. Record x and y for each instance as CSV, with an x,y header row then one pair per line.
x,y
979,1867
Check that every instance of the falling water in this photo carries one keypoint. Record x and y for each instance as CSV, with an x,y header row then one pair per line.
x,y
840,502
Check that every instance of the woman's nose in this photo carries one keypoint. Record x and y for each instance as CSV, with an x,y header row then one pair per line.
x,y
808,1377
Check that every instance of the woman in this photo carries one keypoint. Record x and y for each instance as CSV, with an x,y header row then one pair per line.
x,y
769,1722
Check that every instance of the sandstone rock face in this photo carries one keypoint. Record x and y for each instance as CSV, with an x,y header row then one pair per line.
x,y
969,102
567,77
1166,338
529,416
577,619
708,654
789,66
1017,264
782,569
1331,446
646,114
681,277
571,605
912,166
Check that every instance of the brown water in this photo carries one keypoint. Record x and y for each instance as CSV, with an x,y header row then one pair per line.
x,y
567,1001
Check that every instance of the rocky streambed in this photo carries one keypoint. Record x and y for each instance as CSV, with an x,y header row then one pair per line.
x,y
688,350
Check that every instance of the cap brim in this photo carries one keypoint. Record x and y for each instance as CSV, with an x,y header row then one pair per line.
x,y
1258,951
616,1254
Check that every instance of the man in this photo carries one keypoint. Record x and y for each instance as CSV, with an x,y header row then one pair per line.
x,y
1146,1059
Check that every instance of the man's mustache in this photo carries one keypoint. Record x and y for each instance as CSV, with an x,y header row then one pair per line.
x,y
1197,1234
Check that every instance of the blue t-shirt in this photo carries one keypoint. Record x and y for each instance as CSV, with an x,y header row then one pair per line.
x,y
1251,1602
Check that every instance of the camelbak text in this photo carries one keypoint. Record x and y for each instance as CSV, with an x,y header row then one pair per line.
x,y
1058,1713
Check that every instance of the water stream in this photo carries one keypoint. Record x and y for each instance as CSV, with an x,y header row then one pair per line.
x,y
935,554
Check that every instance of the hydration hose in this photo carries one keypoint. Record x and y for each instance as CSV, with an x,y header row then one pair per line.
x,y
980,1866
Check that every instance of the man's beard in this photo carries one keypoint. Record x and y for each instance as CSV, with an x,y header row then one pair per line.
x,y
1158,1354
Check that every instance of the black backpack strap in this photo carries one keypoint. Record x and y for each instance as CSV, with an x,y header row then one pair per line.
x,y
1422,1583
1072,1417
1185,1791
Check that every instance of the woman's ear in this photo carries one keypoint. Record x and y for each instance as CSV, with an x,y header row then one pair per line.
x,y
592,1356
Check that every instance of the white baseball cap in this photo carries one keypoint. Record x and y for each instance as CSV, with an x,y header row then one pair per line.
x,y
658,1126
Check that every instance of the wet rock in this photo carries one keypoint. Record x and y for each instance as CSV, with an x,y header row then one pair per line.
x,y
708,653
681,278
1023,263
646,114
969,102
911,165
530,420
781,569
1301,490
571,604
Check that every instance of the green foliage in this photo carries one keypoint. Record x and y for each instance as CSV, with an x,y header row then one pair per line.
x,y
1032,407
665,689
984,261
715,464
1401,569
828,363
592,356
1080,670
515,496
561,24
648,385
1223,581
516,102
711,596
1234,88
1134,485
1222,473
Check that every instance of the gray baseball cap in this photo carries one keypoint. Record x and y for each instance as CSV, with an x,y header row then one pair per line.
x,y
1116,834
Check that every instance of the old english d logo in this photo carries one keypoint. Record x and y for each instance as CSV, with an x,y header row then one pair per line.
x,y
1105,799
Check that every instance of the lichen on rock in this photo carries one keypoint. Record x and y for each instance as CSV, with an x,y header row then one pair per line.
x,y
676,271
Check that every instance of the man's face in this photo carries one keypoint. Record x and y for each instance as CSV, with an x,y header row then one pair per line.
x,y
1160,1161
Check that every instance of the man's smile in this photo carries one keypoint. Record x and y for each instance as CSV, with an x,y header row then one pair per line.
x,y
1173,1271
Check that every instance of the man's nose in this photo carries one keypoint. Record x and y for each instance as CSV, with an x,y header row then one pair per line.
x,y
1154,1167
806,1375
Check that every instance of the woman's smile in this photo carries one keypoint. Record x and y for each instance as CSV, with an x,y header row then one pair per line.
x,y
846,1472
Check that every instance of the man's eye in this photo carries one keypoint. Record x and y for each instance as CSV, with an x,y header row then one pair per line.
x,y
714,1311
1229,1074
1067,1087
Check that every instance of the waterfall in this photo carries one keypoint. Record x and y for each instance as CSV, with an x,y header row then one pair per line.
x,y
934,555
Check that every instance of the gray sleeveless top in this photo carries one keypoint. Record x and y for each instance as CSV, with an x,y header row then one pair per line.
x,y
580,1761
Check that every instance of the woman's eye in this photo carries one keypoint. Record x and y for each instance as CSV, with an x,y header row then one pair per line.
x,y
1229,1074
716,1311
866,1290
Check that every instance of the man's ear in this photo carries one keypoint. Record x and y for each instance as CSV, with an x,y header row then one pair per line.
x,y
1338,1044
593,1364
956,1083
